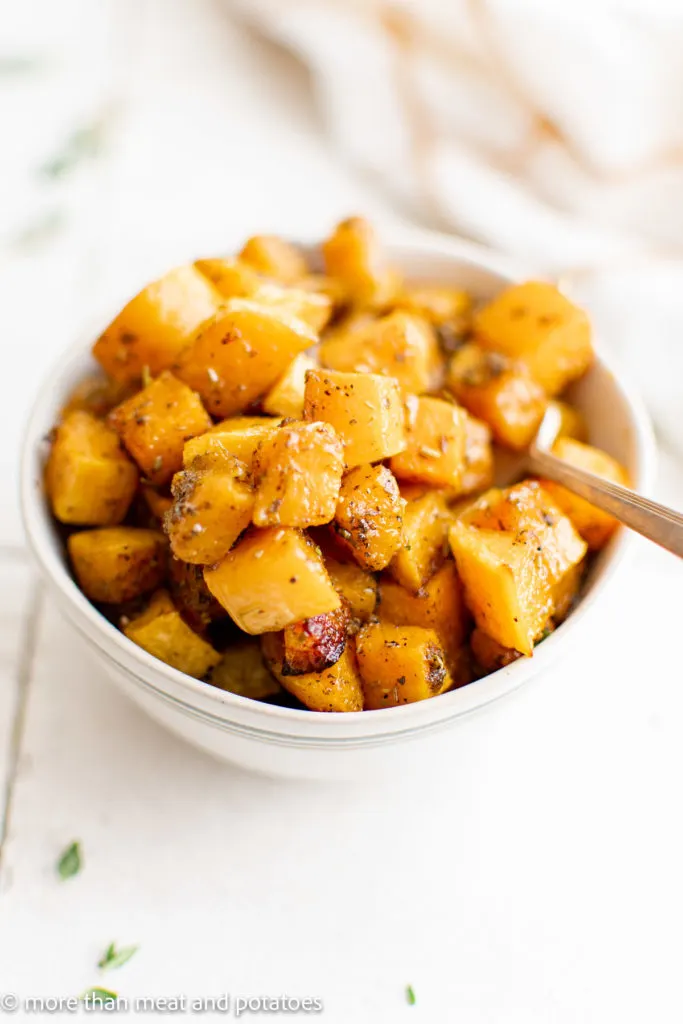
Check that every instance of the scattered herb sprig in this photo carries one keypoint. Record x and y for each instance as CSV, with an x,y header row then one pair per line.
x,y
113,958
70,862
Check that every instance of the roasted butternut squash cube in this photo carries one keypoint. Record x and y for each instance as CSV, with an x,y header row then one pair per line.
x,y
356,586
400,345
157,503
528,512
365,409
155,424
286,398
400,665
231,278
243,671
489,654
271,578
213,503
298,471
155,326
353,257
274,257
435,443
426,522
566,590
191,596
97,395
596,527
499,392
438,304
537,324
479,467
369,515
239,436
506,584
337,688
240,353
439,605
90,481
572,421
313,308
161,631
115,564
316,643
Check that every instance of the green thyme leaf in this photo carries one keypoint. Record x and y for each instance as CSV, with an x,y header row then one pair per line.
x,y
70,863
410,995
113,957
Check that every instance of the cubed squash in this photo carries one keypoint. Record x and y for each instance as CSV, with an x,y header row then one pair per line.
x,y
369,515
400,345
213,503
439,304
231,278
155,326
400,664
97,395
313,308
435,443
240,353
161,631
596,527
274,257
537,324
498,391
356,586
572,421
298,472
365,409
239,436
479,466
157,502
426,522
315,643
286,398
191,596
439,605
489,654
566,590
272,577
353,257
505,582
155,424
337,688
243,671
115,564
90,480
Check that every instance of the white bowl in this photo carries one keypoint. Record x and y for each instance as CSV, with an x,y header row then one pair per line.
x,y
303,744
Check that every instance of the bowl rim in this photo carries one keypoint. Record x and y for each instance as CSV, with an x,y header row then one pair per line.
x,y
408,719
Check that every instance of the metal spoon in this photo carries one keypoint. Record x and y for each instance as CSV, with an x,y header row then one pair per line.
x,y
654,521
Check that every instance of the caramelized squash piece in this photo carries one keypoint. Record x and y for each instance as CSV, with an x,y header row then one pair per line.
x,y
356,586
231,278
274,257
337,688
572,421
400,345
157,503
439,605
501,393
191,596
479,468
242,670
438,304
365,409
213,504
286,398
435,443
353,257
316,643
596,527
369,515
537,324
312,308
161,631
155,424
400,664
489,654
97,395
115,564
240,353
239,436
271,578
426,522
89,479
155,326
298,469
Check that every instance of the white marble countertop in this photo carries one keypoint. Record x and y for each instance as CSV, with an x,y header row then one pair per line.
x,y
536,880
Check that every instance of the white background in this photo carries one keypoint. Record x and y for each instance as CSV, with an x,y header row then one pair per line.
x,y
536,879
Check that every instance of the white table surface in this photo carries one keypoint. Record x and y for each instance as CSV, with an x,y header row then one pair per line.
x,y
536,879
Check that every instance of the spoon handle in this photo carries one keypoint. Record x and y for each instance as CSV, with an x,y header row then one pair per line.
x,y
656,522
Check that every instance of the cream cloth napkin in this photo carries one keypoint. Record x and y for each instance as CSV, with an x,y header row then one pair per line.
x,y
547,130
